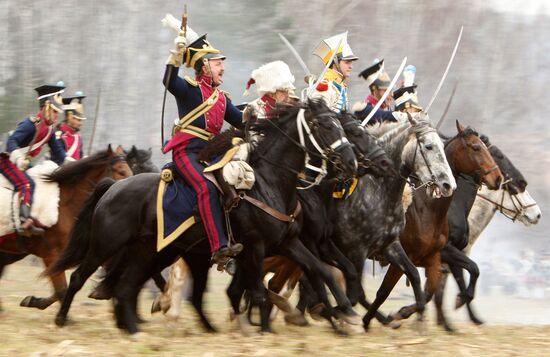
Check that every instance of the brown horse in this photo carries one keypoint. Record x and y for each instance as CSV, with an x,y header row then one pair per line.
x,y
77,181
426,230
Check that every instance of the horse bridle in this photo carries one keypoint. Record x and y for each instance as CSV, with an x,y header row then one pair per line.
x,y
419,134
364,160
112,161
481,173
512,214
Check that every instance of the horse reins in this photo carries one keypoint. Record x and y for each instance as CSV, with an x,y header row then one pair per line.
x,y
519,208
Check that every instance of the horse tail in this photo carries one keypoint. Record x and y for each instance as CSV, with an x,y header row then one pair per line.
x,y
80,235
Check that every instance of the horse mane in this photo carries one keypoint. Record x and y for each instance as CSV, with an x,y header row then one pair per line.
x,y
219,144
73,172
386,131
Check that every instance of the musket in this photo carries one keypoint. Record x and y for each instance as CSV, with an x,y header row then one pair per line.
x,y
446,71
447,107
296,54
184,29
90,143
386,93
329,63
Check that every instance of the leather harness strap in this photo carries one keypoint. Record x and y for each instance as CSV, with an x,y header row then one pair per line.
x,y
271,211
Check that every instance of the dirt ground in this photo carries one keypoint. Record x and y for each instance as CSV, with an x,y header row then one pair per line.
x,y
91,332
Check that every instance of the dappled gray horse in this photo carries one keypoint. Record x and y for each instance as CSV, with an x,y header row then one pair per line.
x,y
371,220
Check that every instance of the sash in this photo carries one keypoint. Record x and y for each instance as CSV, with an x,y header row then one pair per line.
x,y
15,154
74,146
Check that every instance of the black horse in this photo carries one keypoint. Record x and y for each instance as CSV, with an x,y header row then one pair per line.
x,y
459,232
134,201
139,160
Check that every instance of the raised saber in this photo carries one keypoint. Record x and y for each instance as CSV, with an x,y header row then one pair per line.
x,y
386,93
183,27
296,54
446,70
90,144
447,107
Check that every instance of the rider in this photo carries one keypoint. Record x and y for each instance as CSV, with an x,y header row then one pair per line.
x,y
274,84
333,88
378,82
69,129
25,143
406,100
202,108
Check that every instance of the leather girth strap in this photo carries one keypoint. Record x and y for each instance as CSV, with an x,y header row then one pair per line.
x,y
271,211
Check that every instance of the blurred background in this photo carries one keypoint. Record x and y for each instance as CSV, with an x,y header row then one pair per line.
x,y
118,49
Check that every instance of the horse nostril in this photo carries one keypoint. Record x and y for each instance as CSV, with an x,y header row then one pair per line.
x,y
522,183
446,186
499,180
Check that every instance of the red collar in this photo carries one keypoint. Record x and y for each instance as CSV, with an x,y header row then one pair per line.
x,y
372,100
269,101
204,80
66,128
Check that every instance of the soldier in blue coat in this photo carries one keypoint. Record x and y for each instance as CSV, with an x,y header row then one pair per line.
x,y
202,108
26,142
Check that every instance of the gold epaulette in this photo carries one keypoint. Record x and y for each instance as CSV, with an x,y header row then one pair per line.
x,y
226,94
191,81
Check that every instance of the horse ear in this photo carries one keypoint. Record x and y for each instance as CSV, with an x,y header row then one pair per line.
x,y
411,119
109,149
460,127
133,150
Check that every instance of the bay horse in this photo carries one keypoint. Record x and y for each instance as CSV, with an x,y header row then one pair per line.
x,y
134,201
370,221
427,229
471,211
76,181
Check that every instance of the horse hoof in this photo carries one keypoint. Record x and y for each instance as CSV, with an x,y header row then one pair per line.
x,y
315,312
26,302
350,329
449,329
138,336
60,321
395,324
246,329
99,294
459,302
296,319
477,322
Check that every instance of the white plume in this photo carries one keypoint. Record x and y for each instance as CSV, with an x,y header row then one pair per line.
x,y
174,24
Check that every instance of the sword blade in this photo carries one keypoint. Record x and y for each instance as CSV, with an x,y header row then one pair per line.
x,y
446,71
447,107
386,93
296,54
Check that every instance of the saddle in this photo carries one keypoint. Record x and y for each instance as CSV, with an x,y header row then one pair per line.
x,y
45,200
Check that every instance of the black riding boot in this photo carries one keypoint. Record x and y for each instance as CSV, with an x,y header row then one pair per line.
x,y
27,227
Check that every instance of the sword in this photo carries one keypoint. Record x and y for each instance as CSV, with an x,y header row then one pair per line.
x,y
386,93
447,107
328,63
296,54
446,71
90,144
183,27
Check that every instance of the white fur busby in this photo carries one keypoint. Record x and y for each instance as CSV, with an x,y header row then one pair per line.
x,y
271,77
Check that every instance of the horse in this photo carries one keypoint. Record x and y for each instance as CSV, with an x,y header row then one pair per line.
x,y
370,221
76,181
132,205
426,229
317,224
471,211
139,160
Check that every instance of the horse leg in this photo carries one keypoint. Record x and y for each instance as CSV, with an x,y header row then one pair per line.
x,y
330,254
78,278
235,292
363,301
199,267
254,281
458,261
59,284
317,274
438,300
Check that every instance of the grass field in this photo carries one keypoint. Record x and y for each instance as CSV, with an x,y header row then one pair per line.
x,y
91,332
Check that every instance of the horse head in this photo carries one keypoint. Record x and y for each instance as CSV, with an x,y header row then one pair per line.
x,y
514,182
424,156
327,138
140,160
119,168
371,158
470,156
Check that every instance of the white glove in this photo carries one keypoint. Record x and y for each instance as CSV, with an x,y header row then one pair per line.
x,y
68,159
358,107
176,55
400,116
22,163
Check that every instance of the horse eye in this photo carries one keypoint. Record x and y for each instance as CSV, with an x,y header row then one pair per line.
x,y
429,147
476,147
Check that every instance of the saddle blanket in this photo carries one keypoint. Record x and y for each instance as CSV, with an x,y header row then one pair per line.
x,y
177,202
45,200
